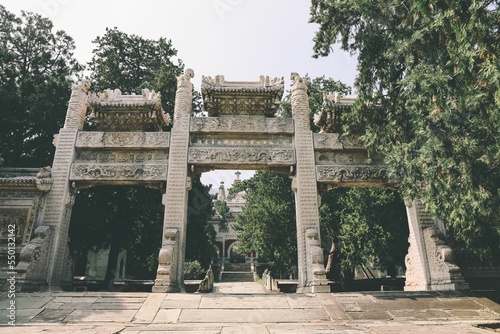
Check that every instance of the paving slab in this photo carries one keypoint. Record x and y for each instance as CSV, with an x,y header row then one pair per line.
x,y
244,302
245,316
174,328
150,308
180,303
62,329
303,301
122,316
167,316
52,315
24,315
244,328
148,313
238,288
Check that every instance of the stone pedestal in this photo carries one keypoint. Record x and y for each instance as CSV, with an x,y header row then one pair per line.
x,y
430,263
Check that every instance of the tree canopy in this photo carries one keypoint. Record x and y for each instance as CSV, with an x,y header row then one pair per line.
x,y
131,63
428,97
37,68
367,225
267,223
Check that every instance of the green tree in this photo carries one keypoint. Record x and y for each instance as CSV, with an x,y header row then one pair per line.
x,y
267,223
429,98
117,218
200,235
366,225
131,63
37,69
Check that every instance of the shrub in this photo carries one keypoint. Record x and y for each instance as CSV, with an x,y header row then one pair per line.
x,y
193,270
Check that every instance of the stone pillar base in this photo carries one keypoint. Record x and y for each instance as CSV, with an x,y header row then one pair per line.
x,y
463,286
320,288
159,288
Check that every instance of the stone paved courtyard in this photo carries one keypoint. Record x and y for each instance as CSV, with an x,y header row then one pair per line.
x,y
246,308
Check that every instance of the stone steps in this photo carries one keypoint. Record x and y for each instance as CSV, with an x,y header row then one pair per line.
x,y
237,267
237,276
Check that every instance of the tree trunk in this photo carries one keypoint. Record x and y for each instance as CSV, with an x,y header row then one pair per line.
x,y
347,279
111,273
331,258
114,249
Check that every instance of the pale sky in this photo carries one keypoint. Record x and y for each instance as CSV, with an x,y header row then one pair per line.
x,y
240,39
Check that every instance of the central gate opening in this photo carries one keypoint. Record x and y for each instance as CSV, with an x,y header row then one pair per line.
x,y
115,237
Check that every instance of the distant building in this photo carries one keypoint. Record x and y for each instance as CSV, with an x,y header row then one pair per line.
x,y
226,237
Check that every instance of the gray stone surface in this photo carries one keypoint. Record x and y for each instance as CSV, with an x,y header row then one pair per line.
x,y
145,313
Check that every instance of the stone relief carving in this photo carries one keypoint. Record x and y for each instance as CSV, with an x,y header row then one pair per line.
x,y
166,276
241,140
183,98
123,139
22,220
241,155
33,260
184,79
300,103
241,124
316,260
351,142
77,105
352,173
441,260
43,179
327,141
410,274
122,156
118,172
343,158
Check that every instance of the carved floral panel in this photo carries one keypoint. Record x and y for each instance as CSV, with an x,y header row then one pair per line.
x,y
123,139
241,155
343,173
241,124
241,140
122,156
122,172
22,221
343,158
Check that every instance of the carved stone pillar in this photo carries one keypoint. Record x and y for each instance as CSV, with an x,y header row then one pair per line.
x,y
310,277
59,200
430,264
169,277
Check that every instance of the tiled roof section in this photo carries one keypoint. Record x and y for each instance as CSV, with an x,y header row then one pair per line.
x,y
221,97
114,111
329,118
26,177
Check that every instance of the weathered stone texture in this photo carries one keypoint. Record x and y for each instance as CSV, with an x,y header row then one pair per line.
x,y
170,276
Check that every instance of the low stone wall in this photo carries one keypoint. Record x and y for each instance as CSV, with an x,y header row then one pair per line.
x,y
268,282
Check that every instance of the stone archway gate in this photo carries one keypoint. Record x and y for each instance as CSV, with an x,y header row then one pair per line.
x,y
239,132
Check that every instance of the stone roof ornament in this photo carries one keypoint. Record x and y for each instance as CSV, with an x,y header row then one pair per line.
x,y
251,98
111,110
15,178
184,79
329,117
